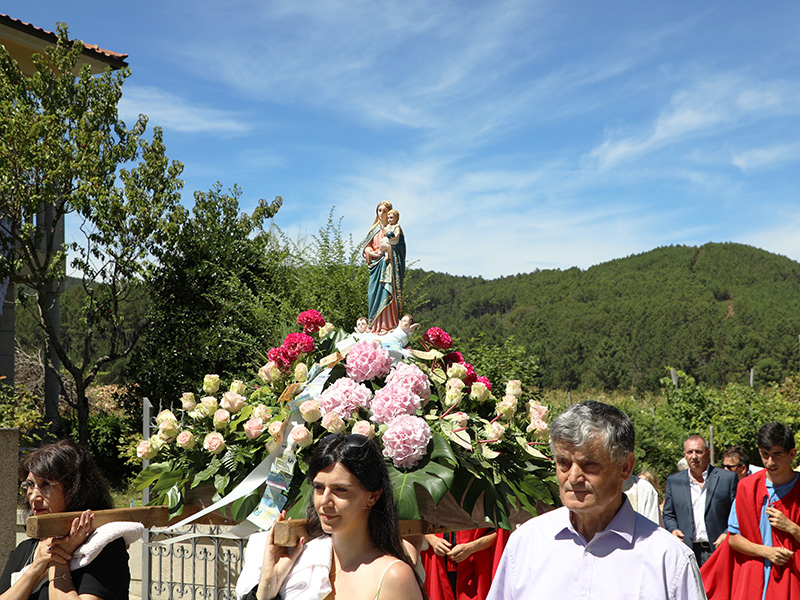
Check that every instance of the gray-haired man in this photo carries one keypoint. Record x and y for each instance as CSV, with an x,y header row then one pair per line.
x,y
596,545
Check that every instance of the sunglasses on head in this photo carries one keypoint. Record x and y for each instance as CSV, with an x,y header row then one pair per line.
x,y
354,440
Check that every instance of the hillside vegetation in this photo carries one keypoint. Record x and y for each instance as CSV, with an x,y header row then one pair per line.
x,y
714,312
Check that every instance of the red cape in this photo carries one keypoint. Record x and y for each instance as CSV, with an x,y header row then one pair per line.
x,y
731,575
474,573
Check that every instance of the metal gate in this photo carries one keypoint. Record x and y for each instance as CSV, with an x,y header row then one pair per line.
x,y
203,567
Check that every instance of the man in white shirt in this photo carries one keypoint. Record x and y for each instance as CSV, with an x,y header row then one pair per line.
x,y
595,547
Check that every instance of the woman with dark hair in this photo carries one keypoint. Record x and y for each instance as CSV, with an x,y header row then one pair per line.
x,y
62,477
355,551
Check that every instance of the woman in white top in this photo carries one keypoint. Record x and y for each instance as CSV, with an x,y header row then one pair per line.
x,y
353,525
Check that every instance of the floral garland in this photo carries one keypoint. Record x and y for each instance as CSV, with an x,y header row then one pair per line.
x,y
434,418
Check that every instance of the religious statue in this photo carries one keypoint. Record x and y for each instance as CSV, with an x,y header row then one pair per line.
x,y
385,253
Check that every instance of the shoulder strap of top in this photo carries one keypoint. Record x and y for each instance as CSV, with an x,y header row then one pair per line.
x,y
380,583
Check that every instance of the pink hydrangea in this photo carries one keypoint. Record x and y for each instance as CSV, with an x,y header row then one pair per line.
x,y
392,401
412,378
437,338
368,360
344,397
311,321
406,441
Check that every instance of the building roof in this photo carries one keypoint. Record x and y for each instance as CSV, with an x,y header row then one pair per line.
x,y
22,40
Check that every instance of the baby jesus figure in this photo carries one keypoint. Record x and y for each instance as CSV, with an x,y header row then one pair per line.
x,y
393,232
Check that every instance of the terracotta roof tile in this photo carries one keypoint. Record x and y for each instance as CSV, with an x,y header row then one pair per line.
x,y
115,59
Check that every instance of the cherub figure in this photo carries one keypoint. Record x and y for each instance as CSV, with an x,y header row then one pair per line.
x,y
393,232
361,325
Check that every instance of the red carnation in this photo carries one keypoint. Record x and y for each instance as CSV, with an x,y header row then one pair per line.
x,y
311,321
437,338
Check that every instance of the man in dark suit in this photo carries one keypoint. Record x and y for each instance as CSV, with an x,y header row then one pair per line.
x,y
697,501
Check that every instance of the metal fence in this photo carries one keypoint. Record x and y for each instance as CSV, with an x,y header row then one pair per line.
x,y
202,567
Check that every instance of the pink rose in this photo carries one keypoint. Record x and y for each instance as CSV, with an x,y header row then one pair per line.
x,y
411,377
145,450
263,412
536,411
460,419
253,428
269,372
538,427
185,440
494,431
169,428
187,401
368,360
345,397
333,422
394,400
506,408
232,402
406,441
364,428
275,427
165,415
437,338
214,443
514,388
311,321
310,411
301,436
301,372
221,419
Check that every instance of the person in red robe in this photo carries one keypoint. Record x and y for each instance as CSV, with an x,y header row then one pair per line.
x,y
762,548
460,565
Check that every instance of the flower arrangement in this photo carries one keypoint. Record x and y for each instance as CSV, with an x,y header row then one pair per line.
x,y
436,420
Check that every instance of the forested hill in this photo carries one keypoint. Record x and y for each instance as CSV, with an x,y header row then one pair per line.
x,y
715,312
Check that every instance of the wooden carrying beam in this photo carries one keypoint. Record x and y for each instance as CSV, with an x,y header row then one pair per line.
x,y
288,533
58,524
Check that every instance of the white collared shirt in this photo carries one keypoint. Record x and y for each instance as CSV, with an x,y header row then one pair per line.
x,y
698,491
630,559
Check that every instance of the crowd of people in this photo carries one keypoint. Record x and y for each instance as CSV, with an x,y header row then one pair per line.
x,y
722,532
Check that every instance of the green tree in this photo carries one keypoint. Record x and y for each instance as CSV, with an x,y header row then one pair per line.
x,y
62,151
222,293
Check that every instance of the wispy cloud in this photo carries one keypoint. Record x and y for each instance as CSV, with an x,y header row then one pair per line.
x,y
713,104
758,159
171,111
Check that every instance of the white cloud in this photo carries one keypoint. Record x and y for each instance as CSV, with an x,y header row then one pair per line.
x,y
757,159
711,105
170,111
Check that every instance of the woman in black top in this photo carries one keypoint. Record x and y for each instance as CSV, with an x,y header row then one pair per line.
x,y
62,477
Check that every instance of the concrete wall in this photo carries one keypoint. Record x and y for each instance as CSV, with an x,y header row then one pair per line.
x,y
9,488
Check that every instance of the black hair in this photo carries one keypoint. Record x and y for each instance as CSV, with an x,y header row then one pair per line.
x,y
775,434
738,452
361,456
72,466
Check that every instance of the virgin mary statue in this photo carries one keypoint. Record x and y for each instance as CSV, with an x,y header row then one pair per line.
x,y
387,267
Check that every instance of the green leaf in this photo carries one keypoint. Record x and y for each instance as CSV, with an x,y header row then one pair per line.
x,y
167,480
433,477
149,475
207,473
243,506
442,451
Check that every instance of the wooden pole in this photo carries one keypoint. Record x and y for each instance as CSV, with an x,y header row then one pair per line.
x,y
58,524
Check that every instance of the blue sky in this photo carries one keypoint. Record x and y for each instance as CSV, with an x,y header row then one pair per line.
x,y
511,135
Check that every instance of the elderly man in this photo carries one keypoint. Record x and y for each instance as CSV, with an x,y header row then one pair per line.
x,y
596,546
697,501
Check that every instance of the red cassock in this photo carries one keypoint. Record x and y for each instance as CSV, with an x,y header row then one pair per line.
x,y
730,575
474,574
